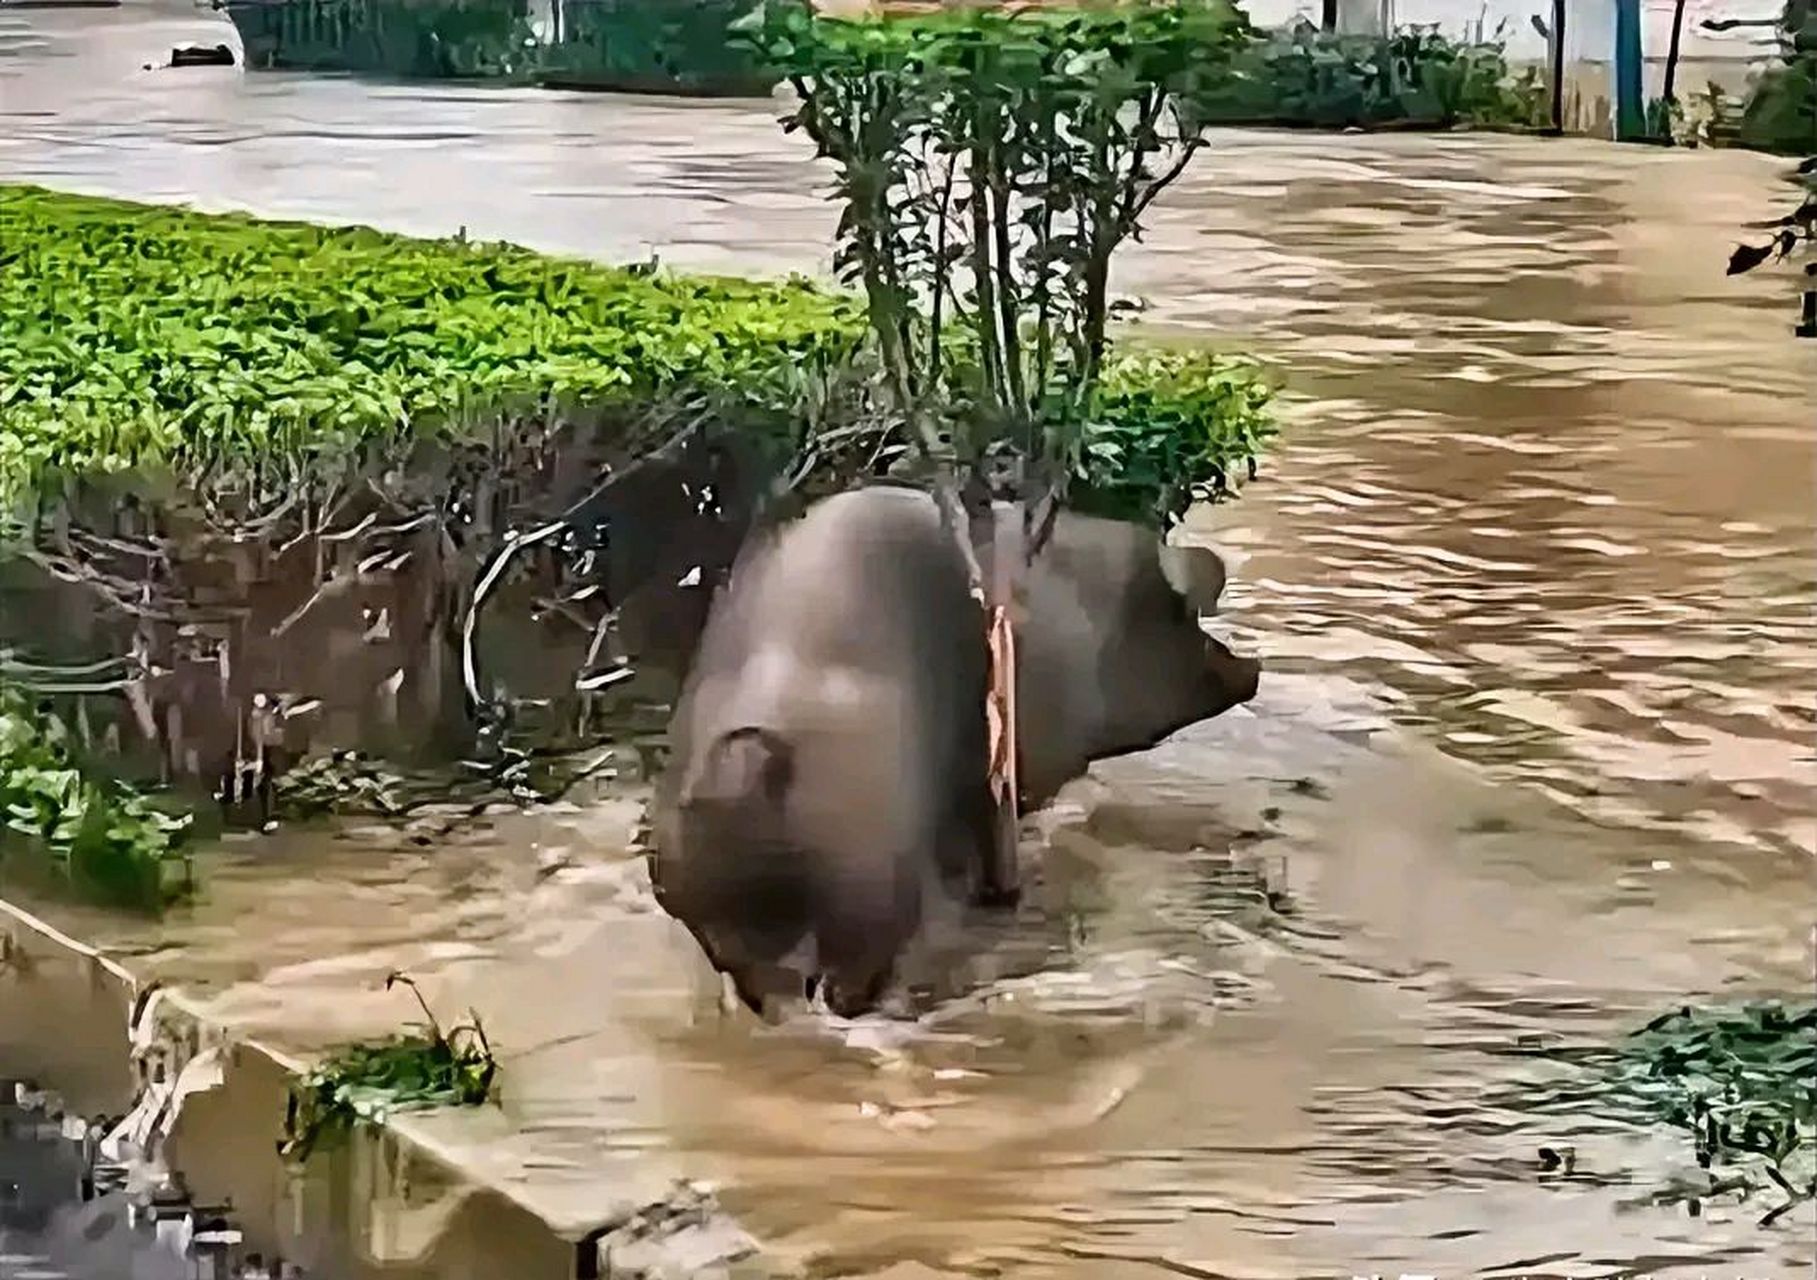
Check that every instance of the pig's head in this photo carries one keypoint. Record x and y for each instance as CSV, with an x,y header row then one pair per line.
x,y
725,869
1197,577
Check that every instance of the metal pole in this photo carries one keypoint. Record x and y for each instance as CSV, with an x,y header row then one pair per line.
x,y
1678,23
1558,65
1630,89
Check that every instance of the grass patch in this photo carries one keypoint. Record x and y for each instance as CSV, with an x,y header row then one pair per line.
x,y
422,1067
93,835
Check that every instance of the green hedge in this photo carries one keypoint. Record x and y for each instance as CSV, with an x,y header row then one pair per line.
x,y
135,336
634,44
450,39
683,48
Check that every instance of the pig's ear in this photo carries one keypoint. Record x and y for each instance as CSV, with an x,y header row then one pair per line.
x,y
1196,574
743,767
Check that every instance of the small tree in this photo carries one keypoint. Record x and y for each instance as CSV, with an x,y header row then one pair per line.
x,y
989,164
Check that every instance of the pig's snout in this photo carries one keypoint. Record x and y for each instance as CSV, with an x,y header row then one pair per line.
x,y
1234,679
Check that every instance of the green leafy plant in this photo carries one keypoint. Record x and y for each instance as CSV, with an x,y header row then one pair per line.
x,y
1413,78
136,338
990,163
147,340
1739,1080
1162,430
342,782
422,1067
95,835
1781,110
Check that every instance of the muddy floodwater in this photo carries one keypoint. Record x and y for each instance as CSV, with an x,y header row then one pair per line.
x,y
1533,576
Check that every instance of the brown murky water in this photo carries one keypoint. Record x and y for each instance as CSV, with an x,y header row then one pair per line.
x,y
1533,574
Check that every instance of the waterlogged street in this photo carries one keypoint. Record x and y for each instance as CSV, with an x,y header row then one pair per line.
x,y
1533,572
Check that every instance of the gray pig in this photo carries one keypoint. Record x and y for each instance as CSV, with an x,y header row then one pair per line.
x,y
829,751
1110,655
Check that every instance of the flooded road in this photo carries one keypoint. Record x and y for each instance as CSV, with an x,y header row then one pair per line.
x,y
1533,573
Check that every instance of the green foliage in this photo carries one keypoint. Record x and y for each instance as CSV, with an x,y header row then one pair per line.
x,y
135,337
423,1067
633,43
95,836
1781,111
1163,431
989,164
446,39
342,782
1413,78
1740,1080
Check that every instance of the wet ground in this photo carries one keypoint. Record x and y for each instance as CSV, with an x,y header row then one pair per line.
x,y
1535,566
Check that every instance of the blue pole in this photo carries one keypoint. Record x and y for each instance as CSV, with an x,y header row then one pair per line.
x,y
1630,89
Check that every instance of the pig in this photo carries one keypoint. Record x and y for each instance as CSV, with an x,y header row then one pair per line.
x,y
1110,655
829,752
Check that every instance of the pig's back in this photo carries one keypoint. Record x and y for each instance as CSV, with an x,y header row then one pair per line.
x,y
852,633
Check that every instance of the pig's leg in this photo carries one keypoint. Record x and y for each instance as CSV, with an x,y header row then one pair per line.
x,y
870,906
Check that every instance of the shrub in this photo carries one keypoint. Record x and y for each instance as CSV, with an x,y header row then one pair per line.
x,y
1163,431
94,835
135,337
1781,110
1302,76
